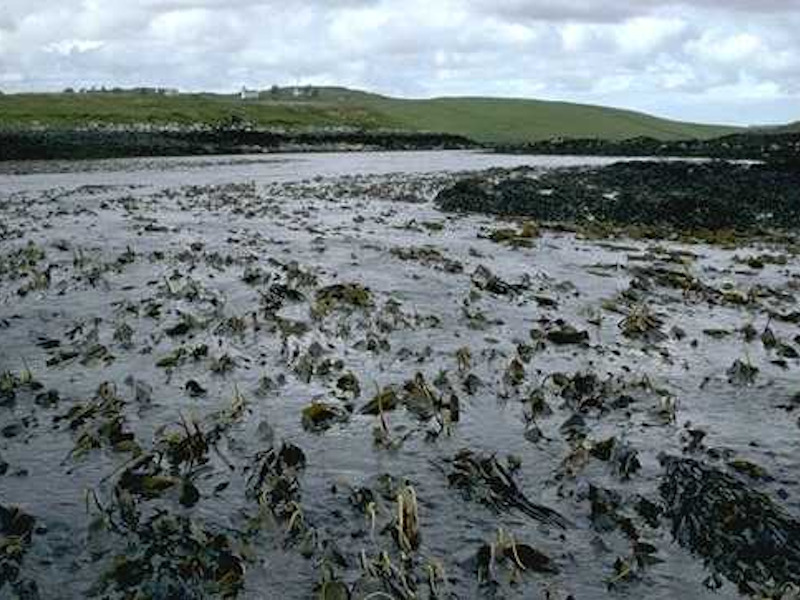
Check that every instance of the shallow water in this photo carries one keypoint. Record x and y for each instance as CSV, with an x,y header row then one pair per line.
x,y
341,224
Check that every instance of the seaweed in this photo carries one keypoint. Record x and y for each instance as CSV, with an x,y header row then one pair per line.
x,y
739,531
484,479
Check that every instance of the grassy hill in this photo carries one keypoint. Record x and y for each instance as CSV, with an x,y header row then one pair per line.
x,y
791,128
482,119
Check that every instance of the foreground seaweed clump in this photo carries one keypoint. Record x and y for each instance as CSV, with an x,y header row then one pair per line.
x,y
740,532
16,531
680,195
484,479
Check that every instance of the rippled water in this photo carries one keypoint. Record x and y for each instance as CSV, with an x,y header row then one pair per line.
x,y
342,225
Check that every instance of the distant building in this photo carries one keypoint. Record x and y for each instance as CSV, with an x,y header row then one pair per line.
x,y
246,94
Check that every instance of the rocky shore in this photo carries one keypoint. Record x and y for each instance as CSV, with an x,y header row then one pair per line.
x,y
781,147
127,142
682,196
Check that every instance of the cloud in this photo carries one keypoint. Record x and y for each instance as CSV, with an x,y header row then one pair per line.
x,y
67,47
671,57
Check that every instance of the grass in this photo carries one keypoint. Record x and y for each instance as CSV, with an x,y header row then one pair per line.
x,y
482,119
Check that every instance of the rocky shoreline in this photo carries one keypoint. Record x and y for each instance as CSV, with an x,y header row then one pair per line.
x,y
47,144
781,147
657,197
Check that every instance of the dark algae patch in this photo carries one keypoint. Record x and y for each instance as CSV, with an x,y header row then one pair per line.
x,y
301,378
666,196
122,141
739,531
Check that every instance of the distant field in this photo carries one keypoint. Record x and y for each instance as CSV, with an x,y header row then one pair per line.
x,y
482,119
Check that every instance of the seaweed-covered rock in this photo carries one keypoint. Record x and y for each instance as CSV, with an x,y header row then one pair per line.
x,y
679,195
740,532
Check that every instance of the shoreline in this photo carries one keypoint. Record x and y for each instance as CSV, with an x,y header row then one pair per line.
x,y
98,144
140,141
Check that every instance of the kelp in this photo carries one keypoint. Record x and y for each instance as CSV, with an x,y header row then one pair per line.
x,y
740,532
483,479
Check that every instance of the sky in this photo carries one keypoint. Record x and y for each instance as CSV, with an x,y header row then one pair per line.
x,y
720,61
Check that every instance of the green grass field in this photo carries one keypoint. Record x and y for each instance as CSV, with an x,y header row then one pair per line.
x,y
482,119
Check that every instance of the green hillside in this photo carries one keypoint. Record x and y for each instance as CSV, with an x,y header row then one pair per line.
x,y
791,128
482,119
512,120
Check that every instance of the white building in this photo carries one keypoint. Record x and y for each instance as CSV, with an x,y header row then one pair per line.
x,y
246,94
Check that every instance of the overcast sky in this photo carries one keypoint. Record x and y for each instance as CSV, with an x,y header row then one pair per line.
x,y
735,61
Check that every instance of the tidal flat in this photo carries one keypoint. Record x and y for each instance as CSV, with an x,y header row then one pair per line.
x,y
316,377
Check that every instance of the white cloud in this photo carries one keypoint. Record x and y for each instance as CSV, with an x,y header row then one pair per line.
x,y
668,56
67,47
